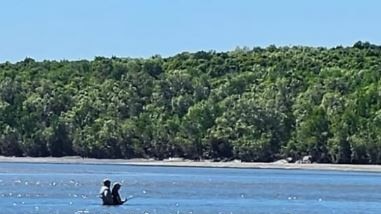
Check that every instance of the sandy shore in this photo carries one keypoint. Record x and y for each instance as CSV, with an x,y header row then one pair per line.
x,y
189,163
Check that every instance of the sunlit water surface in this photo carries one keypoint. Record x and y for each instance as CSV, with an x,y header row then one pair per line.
x,y
73,188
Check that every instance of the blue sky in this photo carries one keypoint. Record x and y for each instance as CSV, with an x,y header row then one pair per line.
x,y
82,29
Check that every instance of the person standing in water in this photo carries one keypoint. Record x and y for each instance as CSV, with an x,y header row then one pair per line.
x,y
117,200
105,193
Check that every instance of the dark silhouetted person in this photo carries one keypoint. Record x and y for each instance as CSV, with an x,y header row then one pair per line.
x,y
115,195
105,193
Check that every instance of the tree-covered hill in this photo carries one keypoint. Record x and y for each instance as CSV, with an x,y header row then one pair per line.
x,y
259,104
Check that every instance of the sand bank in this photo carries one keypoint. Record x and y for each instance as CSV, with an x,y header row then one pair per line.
x,y
190,163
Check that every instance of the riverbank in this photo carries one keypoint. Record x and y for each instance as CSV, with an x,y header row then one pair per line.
x,y
189,163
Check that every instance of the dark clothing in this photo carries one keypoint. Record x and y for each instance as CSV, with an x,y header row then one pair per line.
x,y
106,196
116,197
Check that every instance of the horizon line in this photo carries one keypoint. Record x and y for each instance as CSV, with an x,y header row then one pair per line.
x,y
238,47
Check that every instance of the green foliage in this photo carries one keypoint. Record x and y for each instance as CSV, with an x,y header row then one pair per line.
x,y
258,104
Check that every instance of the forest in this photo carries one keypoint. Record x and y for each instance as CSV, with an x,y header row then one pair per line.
x,y
250,104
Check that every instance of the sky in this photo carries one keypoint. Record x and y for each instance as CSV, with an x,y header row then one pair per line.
x,y
83,29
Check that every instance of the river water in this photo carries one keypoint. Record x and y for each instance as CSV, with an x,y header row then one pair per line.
x,y
73,188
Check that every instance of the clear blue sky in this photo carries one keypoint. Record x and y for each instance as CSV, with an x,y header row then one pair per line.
x,y
77,29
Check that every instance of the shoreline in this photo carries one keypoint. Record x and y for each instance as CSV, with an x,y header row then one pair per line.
x,y
176,162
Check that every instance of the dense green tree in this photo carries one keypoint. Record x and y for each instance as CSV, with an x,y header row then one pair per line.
x,y
259,104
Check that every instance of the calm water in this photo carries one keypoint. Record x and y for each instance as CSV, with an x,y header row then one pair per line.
x,y
73,188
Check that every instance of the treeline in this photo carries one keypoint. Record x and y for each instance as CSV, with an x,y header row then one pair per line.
x,y
259,104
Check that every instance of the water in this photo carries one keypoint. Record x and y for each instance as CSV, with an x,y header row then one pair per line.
x,y
73,188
